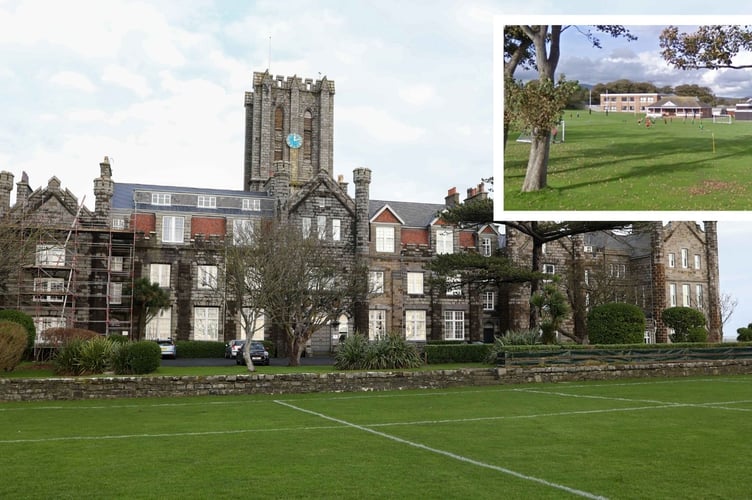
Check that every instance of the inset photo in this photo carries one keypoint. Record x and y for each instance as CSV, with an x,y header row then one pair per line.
x,y
633,116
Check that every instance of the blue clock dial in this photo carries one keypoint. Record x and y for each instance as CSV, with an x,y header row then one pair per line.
x,y
294,141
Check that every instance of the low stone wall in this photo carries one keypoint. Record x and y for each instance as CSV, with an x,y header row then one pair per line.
x,y
169,386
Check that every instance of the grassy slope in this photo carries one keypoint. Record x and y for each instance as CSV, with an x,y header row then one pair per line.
x,y
612,163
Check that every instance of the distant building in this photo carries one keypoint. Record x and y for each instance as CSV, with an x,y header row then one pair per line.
x,y
743,110
628,103
680,106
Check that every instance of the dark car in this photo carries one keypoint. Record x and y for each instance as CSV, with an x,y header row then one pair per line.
x,y
232,348
259,355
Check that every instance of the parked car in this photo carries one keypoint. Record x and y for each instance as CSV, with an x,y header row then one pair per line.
x,y
168,348
259,355
232,348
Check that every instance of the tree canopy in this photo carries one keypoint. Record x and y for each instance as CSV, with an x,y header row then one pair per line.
x,y
709,47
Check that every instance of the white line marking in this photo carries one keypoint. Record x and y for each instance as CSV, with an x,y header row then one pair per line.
x,y
461,458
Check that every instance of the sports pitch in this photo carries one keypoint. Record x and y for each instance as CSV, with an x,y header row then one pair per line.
x,y
661,438
610,162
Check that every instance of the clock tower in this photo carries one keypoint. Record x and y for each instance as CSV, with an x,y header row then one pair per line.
x,y
289,120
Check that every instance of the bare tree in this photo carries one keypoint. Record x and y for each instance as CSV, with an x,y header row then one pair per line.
x,y
728,306
297,284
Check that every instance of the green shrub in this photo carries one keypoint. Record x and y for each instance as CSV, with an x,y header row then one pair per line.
x,y
391,351
13,343
67,360
616,323
25,321
745,333
136,358
457,353
119,339
697,334
200,349
350,352
682,320
529,336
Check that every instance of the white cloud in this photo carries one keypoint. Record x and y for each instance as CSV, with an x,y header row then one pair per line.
x,y
74,80
417,95
378,124
127,79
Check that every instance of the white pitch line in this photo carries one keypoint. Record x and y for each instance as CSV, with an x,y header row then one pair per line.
x,y
445,453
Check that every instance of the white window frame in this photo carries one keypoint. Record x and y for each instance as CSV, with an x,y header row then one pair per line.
x,y
206,201
454,325
684,258
160,274
376,282
415,325
699,301
686,302
549,269
415,283
454,286
376,323
206,277
116,293
42,323
321,226
242,231
116,263
489,301
173,229
251,204
698,260
50,256
336,230
444,241
49,289
160,325
672,294
305,223
118,223
485,246
671,259
206,323
385,239
161,199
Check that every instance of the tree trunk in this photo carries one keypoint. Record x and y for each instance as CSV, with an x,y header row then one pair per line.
x,y
295,350
246,353
537,165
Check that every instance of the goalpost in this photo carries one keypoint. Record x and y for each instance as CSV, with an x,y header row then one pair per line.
x,y
560,135
722,119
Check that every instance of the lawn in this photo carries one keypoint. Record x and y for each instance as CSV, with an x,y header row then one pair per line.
x,y
658,438
612,163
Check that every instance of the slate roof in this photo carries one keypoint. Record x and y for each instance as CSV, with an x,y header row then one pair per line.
x,y
679,101
123,198
414,214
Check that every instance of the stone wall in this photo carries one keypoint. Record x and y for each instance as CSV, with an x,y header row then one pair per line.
x,y
296,383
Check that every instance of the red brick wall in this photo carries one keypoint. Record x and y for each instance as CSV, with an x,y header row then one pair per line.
x,y
208,226
144,222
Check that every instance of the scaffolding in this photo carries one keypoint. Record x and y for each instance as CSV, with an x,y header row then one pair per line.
x,y
75,271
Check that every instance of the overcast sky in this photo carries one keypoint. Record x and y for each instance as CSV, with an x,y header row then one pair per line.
x,y
158,87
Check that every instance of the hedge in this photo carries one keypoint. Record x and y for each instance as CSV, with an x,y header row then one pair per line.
x,y
456,353
200,349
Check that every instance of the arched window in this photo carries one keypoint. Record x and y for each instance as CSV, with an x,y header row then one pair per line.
x,y
279,118
307,134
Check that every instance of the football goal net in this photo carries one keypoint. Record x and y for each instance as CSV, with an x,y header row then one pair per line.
x,y
557,134
722,119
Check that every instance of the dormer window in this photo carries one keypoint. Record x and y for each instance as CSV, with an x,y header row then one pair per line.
x,y
385,239
444,241
162,199
207,201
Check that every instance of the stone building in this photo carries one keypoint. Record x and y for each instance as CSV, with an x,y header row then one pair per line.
x,y
667,265
175,236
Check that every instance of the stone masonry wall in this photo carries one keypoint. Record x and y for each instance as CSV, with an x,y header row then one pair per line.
x,y
296,383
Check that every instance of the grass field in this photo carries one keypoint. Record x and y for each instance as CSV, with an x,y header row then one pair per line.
x,y
612,163
677,438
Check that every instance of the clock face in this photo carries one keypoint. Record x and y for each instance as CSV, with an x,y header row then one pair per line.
x,y
294,141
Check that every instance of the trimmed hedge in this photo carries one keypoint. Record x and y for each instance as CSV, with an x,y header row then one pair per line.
x,y
457,353
616,323
13,337
25,321
200,349
136,358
